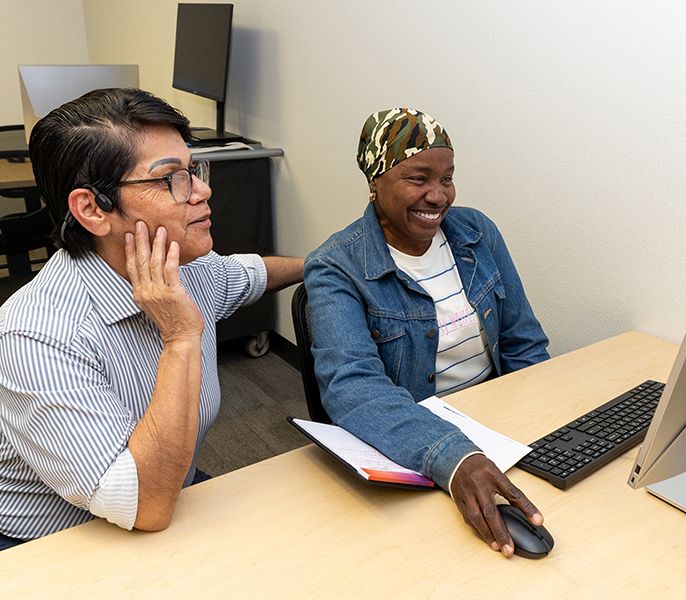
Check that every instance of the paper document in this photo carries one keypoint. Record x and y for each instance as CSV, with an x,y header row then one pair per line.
x,y
365,460
502,450
373,466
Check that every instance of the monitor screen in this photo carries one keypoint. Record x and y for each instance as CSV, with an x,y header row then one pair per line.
x,y
203,43
45,87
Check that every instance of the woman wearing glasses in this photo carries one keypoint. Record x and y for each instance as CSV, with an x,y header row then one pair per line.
x,y
108,379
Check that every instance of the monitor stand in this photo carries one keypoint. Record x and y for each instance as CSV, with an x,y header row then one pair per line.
x,y
202,136
672,490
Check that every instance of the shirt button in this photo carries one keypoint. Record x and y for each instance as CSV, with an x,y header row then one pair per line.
x,y
431,333
376,334
431,377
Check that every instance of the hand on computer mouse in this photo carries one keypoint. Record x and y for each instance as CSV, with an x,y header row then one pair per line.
x,y
530,541
474,488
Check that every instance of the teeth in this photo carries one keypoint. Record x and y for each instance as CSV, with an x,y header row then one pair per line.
x,y
426,215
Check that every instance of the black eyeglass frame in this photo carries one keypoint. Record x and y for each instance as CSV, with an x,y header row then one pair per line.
x,y
200,169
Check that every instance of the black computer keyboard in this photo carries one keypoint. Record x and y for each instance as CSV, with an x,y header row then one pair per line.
x,y
584,445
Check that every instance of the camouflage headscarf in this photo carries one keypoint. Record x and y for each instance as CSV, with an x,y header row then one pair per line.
x,y
390,136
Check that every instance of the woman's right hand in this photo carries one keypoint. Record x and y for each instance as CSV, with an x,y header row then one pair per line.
x,y
157,288
474,487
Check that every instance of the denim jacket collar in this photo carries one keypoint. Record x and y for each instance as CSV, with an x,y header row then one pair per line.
x,y
377,258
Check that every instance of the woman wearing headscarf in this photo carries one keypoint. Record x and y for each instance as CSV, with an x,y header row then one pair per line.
x,y
419,298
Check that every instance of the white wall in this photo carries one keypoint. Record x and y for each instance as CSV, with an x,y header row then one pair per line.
x,y
36,32
568,117
569,120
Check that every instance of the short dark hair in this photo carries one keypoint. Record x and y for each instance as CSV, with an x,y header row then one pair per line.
x,y
93,140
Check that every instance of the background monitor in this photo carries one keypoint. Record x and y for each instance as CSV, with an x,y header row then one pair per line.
x,y
45,87
661,462
201,57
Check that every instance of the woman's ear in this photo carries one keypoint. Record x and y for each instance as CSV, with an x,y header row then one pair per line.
x,y
85,209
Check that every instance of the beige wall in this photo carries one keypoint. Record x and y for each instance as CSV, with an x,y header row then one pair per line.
x,y
135,32
569,120
36,32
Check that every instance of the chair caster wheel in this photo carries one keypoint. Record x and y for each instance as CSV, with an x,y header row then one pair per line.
x,y
257,345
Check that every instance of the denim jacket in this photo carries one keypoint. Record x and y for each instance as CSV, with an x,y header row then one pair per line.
x,y
375,335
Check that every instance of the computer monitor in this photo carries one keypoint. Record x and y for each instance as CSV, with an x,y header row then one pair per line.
x,y
45,87
201,59
661,462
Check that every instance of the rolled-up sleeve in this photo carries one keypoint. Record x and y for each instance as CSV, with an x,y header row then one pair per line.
x,y
257,275
116,497
238,280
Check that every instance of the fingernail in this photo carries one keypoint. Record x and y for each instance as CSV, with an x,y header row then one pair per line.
x,y
128,236
538,518
508,550
495,547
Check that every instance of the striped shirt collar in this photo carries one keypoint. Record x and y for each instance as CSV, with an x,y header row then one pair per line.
x,y
111,294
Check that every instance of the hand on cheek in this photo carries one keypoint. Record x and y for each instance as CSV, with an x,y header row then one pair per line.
x,y
154,274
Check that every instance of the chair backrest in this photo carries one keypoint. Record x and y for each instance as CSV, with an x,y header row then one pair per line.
x,y
302,336
27,231
19,234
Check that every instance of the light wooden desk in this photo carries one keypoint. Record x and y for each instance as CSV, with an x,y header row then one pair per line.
x,y
18,176
15,175
299,526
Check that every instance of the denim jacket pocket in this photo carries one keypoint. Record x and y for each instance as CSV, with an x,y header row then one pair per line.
x,y
481,291
388,333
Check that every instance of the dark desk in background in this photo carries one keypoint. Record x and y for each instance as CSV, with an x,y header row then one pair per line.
x,y
242,222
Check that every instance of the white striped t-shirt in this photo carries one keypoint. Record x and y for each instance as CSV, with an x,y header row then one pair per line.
x,y
78,363
462,359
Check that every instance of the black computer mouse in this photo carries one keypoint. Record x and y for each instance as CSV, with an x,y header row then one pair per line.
x,y
530,541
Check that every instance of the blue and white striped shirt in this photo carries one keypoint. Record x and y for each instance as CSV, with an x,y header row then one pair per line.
x,y
78,363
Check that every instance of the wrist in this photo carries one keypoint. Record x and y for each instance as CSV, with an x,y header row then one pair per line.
x,y
182,343
451,481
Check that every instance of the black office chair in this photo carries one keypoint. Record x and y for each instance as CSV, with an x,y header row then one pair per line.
x,y
302,336
30,195
19,234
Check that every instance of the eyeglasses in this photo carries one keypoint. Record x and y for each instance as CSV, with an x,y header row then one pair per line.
x,y
180,183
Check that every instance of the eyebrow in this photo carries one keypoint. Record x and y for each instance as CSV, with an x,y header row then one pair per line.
x,y
164,161
424,169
